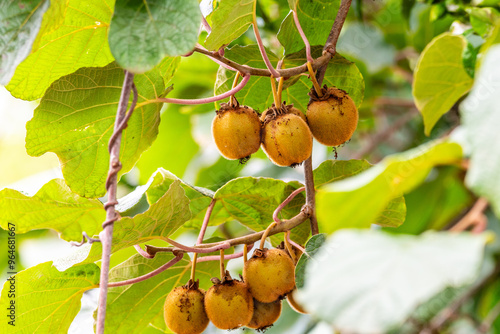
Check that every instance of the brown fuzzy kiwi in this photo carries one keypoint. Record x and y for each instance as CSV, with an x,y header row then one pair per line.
x,y
236,131
332,118
293,303
286,138
184,309
229,304
288,108
264,315
269,274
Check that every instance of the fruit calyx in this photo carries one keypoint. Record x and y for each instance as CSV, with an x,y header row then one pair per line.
x,y
328,92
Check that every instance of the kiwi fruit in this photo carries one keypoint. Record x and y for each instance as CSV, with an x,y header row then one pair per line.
x,y
290,298
333,117
264,315
229,304
269,274
184,309
236,131
286,138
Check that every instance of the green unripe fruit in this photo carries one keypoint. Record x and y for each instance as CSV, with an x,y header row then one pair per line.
x,y
332,118
229,304
269,274
184,310
236,131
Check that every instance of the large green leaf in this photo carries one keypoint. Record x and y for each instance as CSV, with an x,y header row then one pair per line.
x,y
358,201
73,35
252,201
316,19
258,94
133,308
161,220
440,78
19,25
47,300
229,21
357,269
75,120
480,119
54,206
142,33
335,170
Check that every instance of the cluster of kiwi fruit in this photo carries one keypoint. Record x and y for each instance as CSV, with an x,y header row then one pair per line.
x,y
284,132
253,302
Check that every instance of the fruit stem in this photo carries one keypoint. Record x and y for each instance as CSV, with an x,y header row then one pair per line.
x,y
312,75
294,244
245,253
289,247
193,266
222,271
266,233
303,35
277,102
235,83
280,89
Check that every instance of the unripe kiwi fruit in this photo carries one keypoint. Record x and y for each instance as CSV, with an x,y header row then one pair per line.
x,y
269,274
184,310
229,304
332,118
264,314
236,131
286,138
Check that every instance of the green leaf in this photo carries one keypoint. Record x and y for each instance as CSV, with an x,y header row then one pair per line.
x,y
312,247
47,300
445,198
483,19
257,93
229,21
335,170
252,201
480,118
132,308
340,73
73,35
398,272
161,220
316,19
358,201
440,78
19,25
142,33
75,120
54,206
174,128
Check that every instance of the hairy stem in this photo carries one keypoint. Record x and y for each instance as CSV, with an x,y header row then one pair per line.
x,y
262,49
155,272
106,235
201,101
303,35
285,202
